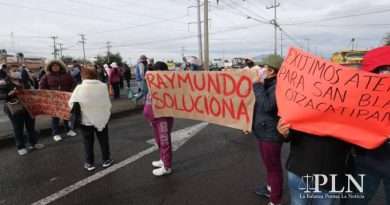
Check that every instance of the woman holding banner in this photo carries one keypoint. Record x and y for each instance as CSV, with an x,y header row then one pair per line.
x,y
95,107
162,128
264,127
311,159
374,164
10,82
57,78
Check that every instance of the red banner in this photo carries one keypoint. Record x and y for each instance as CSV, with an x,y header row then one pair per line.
x,y
46,102
327,99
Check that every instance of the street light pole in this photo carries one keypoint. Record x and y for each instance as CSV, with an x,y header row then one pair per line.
x,y
83,43
274,22
200,49
206,35
108,51
54,46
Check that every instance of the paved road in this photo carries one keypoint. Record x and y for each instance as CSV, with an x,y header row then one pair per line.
x,y
216,166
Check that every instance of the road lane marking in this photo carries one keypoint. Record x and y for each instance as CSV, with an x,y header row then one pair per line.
x,y
179,138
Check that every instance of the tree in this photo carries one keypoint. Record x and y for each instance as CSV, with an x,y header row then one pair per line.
x,y
117,58
386,39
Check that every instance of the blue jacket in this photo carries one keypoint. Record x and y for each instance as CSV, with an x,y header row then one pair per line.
x,y
139,74
266,112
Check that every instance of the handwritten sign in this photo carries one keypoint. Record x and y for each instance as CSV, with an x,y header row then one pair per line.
x,y
224,98
327,99
46,102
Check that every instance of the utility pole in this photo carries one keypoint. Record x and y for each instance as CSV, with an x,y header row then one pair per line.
x,y
206,35
274,22
307,44
54,46
200,47
83,43
353,43
61,49
281,43
182,51
108,44
12,41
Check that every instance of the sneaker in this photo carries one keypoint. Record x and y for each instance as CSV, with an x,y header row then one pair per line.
x,y
270,203
107,163
57,138
263,191
89,167
22,152
37,147
162,171
71,133
158,164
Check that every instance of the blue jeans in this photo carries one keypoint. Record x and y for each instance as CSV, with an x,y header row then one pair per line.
x,y
299,197
55,125
372,181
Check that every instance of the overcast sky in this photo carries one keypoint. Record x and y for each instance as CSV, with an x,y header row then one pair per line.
x,y
161,29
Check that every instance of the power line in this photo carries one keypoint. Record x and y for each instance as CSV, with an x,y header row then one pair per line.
x,y
232,29
138,26
339,17
247,11
54,12
115,9
274,22
291,37
345,25
245,14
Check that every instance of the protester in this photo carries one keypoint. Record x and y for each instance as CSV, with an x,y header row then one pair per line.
x,y
3,71
41,74
312,155
375,163
101,73
249,64
75,72
150,63
140,70
185,65
162,128
264,127
127,75
57,78
10,83
194,63
107,69
95,106
122,79
114,77
26,78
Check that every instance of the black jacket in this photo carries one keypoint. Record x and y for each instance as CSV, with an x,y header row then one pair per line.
x,y
5,88
377,159
310,154
26,80
266,112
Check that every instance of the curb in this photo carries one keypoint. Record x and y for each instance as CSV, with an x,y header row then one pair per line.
x,y
45,132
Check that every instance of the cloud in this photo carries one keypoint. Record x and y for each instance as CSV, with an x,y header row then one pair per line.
x,y
160,28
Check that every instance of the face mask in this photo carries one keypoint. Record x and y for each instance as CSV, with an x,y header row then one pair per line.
x,y
262,74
